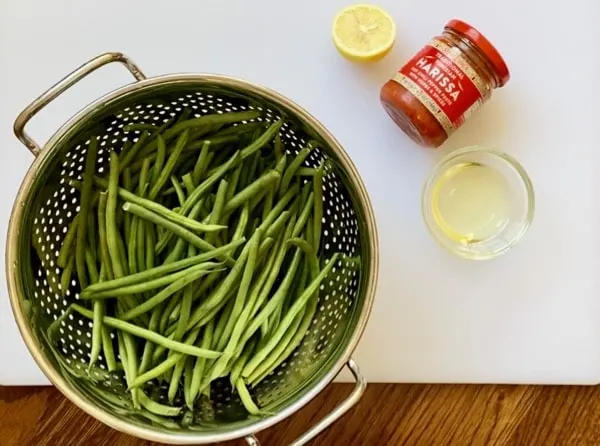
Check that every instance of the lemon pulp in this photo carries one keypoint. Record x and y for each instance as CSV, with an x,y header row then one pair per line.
x,y
363,32
471,202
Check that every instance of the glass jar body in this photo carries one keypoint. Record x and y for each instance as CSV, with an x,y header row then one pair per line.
x,y
437,90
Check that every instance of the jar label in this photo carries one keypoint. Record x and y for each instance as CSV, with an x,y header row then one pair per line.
x,y
445,83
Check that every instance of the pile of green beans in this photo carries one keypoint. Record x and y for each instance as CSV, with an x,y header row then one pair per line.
x,y
198,256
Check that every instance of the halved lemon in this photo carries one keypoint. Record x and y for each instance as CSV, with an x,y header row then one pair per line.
x,y
363,33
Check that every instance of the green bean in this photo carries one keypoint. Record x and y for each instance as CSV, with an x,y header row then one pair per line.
x,y
220,292
86,193
127,157
219,204
102,237
123,356
112,235
293,168
300,303
268,206
144,177
242,293
221,157
274,319
184,314
306,172
125,360
249,172
156,371
165,173
263,250
201,162
185,115
242,223
131,362
272,361
206,285
234,181
303,218
264,275
259,296
140,245
205,186
157,408
246,398
132,247
92,239
239,315
98,309
257,187
178,190
149,346
262,289
278,147
214,141
167,213
223,118
65,278
281,165
297,337
220,326
66,251
149,285
160,271
212,313
150,241
263,140
127,145
188,372
278,224
122,254
239,129
164,294
279,207
180,347
175,379
276,300
304,193
161,154
169,362
318,211
107,348
236,370
127,179
199,365
164,320
178,230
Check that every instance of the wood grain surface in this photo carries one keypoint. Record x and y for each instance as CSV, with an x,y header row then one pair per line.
x,y
388,414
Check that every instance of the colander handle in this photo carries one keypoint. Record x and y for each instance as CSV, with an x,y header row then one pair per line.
x,y
334,415
61,86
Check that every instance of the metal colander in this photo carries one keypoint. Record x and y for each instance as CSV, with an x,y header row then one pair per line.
x,y
46,204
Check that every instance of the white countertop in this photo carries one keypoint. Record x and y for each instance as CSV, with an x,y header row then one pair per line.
x,y
532,316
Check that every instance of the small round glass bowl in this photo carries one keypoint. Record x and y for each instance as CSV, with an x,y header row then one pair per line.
x,y
505,225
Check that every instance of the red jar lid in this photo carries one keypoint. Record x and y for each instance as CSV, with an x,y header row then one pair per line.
x,y
484,45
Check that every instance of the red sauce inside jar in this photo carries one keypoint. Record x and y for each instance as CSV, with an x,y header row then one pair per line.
x,y
436,91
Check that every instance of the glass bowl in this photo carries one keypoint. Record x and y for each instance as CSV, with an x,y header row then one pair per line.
x,y
493,197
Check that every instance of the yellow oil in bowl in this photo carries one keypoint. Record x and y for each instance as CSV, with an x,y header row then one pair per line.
x,y
471,202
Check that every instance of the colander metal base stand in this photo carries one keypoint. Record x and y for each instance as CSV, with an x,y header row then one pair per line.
x,y
334,415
